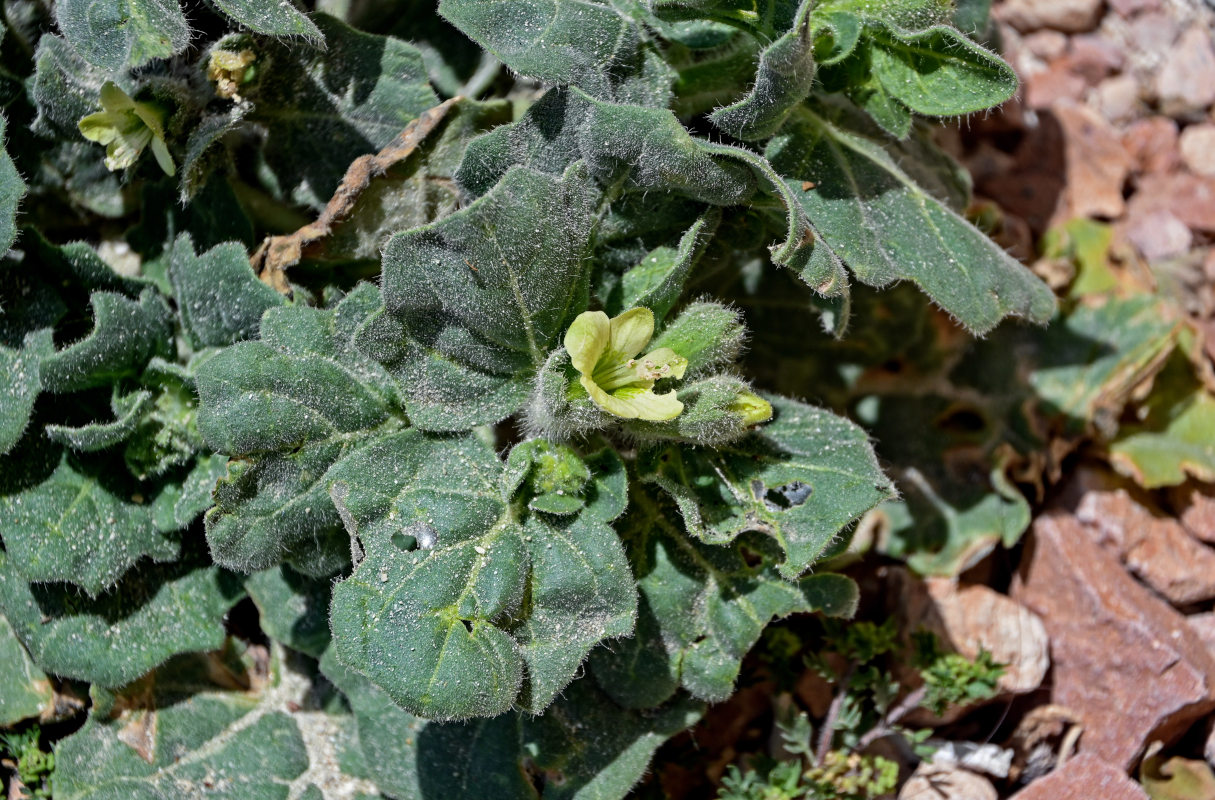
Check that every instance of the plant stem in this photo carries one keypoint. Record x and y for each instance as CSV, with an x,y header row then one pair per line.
x,y
886,726
833,714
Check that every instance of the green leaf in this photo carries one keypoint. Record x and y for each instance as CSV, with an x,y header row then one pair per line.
x,y
202,725
482,297
324,107
303,382
12,189
76,524
784,77
272,19
21,368
126,334
447,629
25,691
600,47
801,479
940,72
658,281
887,228
410,757
293,608
218,295
151,614
180,503
1176,435
702,608
117,35
102,435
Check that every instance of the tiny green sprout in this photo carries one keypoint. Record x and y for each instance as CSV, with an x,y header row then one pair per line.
x,y
752,408
606,351
126,127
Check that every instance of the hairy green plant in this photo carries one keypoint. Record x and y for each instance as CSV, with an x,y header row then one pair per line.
x,y
424,335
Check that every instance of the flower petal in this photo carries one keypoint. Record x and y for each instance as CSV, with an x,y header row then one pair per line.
x,y
752,408
586,340
114,98
630,333
161,151
101,127
635,402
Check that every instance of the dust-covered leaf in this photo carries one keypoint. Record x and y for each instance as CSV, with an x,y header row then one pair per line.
x,y
117,35
25,691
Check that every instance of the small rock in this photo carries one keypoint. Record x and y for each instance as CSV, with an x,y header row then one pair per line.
x,y
1159,235
1118,98
1185,82
1069,16
1154,33
1195,504
1156,549
1046,45
1190,198
932,782
1204,626
1152,144
1094,57
1097,164
1046,87
1084,777
1110,640
1129,8
988,759
1197,146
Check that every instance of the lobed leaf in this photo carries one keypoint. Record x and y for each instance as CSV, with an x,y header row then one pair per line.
x,y
887,228
801,479
25,691
151,614
293,608
272,19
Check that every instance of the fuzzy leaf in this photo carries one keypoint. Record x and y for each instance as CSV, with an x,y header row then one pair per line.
x,y
940,72
802,479
76,523
201,725
483,296
657,282
151,614
447,629
218,296
117,35
702,608
20,384
25,691
303,382
599,46
410,757
12,189
887,228
785,75
293,608
272,19
324,107
126,334
102,435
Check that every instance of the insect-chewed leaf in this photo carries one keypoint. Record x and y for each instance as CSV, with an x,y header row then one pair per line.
x,y
151,614
802,479
457,597
887,228
702,608
475,302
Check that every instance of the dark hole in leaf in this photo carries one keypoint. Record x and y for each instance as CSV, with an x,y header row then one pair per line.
x,y
782,498
467,625
893,365
404,541
750,557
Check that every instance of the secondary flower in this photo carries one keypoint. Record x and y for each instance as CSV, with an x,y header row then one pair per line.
x,y
752,408
126,127
606,351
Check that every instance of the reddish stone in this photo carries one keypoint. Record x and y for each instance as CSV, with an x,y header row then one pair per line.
x,y
1152,144
1046,45
1094,57
1070,16
1056,83
1197,145
1154,33
1123,660
1118,98
1195,505
1185,82
1190,198
1159,235
1204,626
1084,777
1097,164
1128,8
